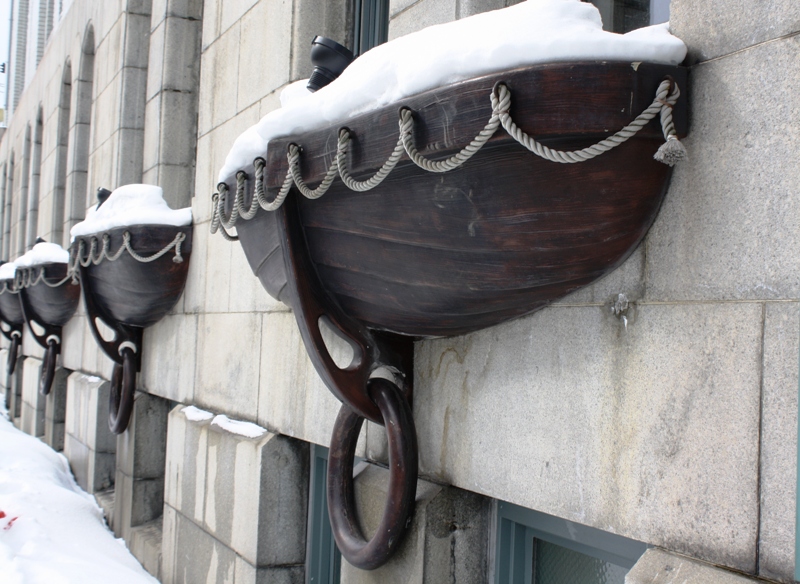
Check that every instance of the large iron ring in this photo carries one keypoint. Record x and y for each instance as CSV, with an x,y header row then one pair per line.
x,y
16,341
48,367
399,423
123,386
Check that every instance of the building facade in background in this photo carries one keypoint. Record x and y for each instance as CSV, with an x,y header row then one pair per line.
x,y
661,446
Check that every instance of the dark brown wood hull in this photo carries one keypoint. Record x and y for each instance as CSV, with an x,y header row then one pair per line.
x,y
11,309
54,306
135,293
428,254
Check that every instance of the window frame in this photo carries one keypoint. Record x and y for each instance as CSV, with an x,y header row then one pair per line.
x,y
323,558
370,24
515,528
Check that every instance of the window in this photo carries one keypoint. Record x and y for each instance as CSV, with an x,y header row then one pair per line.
x,y
626,15
22,209
3,186
7,255
75,196
370,24
536,548
323,559
36,171
62,148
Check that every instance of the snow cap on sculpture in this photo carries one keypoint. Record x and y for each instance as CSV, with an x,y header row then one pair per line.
x,y
529,33
134,204
43,253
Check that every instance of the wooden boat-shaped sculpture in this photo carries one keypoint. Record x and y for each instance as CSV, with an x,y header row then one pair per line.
x,y
10,314
48,295
131,277
454,239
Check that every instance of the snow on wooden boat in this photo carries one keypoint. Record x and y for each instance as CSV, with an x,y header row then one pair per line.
x,y
426,254
49,297
528,160
131,275
443,253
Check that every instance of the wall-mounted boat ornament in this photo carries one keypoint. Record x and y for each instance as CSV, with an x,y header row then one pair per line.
x,y
466,194
48,295
11,317
132,253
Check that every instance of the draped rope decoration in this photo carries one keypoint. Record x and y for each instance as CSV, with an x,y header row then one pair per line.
x,y
79,257
27,277
670,153
6,288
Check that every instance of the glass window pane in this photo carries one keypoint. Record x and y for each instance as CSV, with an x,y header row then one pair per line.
x,y
626,15
659,11
554,564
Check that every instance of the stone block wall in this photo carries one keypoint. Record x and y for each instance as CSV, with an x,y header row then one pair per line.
x,y
14,390
5,393
89,445
55,410
234,507
33,403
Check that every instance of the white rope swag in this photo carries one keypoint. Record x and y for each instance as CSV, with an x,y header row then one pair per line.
x,y
27,277
670,153
78,256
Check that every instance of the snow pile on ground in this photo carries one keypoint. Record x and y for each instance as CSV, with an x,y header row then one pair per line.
x,y
43,253
52,532
8,270
532,32
132,205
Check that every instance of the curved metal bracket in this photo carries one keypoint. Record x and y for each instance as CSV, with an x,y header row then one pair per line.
x,y
50,333
126,352
8,329
15,336
124,335
311,302
49,340
49,367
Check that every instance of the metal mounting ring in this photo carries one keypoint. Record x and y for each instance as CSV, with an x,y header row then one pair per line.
x,y
55,338
48,369
123,388
127,345
399,423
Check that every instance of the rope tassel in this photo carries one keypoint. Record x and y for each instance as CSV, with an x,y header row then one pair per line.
x,y
671,152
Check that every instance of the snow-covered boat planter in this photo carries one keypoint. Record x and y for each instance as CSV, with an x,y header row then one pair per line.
x,y
49,297
133,257
10,313
445,212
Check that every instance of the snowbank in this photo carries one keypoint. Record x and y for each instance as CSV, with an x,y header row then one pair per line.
x,y
52,532
8,270
132,205
43,253
536,31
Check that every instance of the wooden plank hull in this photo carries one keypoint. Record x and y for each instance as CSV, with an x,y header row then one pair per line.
x,y
11,309
54,306
428,254
135,293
